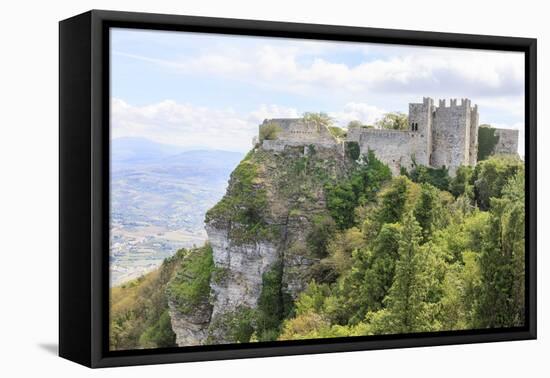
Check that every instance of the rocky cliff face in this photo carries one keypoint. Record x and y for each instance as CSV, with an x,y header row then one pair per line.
x,y
240,268
274,201
190,329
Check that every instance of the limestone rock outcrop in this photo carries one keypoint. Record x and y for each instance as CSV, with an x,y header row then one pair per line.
x,y
190,329
239,269
261,225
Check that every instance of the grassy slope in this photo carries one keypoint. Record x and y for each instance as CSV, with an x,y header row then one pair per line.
x,y
139,310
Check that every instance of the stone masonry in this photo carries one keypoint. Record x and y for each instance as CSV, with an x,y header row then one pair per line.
x,y
438,136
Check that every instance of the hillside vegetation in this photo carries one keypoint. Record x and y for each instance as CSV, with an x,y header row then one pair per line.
x,y
139,308
418,252
417,258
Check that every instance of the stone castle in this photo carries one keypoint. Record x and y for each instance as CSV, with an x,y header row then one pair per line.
x,y
438,136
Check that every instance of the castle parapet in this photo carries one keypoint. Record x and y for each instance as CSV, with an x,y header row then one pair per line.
x,y
507,143
443,136
295,132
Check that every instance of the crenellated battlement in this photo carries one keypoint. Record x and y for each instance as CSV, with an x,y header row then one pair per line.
x,y
454,104
438,136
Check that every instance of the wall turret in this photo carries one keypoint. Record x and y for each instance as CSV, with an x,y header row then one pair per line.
x,y
454,136
442,136
420,121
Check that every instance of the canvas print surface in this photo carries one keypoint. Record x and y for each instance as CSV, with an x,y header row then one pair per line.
x,y
269,189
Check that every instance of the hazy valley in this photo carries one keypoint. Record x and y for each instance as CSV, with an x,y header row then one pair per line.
x,y
160,194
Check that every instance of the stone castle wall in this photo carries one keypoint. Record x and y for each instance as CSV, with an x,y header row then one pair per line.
x,y
400,152
507,141
474,130
297,132
421,120
438,136
451,135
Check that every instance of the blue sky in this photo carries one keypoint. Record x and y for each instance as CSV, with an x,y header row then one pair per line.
x,y
212,91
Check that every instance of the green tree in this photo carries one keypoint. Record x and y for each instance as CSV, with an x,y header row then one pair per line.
x,y
362,186
160,334
337,132
393,201
358,124
139,309
374,175
502,260
463,234
491,175
371,275
342,247
318,119
271,304
461,183
341,202
353,151
393,121
409,308
471,286
269,131
452,310
428,211
322,231
438,177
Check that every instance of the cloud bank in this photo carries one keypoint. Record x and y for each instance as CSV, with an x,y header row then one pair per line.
x,y
410,70
222,87
190,126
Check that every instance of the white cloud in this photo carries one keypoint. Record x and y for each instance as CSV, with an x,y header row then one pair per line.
x,y
308,67
211,63
271,111
354,111
513,105
192,126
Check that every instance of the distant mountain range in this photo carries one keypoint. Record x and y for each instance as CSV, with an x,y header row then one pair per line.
x,y
136,150
159,195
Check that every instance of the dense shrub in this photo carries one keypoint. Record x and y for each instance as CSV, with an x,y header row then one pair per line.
x,y
364,182
190,287
322,230
236,326
353,151
160,334
337,132
243,205
394,121
139,310
487,140
438,177
269,131
491,175
319,119
271,305
461,183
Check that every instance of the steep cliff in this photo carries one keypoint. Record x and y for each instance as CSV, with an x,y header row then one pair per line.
x,y
263,236
188,296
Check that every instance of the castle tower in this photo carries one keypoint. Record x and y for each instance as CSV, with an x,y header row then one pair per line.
x,y
454,135
420,122
474,127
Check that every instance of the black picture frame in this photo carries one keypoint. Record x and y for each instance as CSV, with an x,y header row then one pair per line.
x,y
84,186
